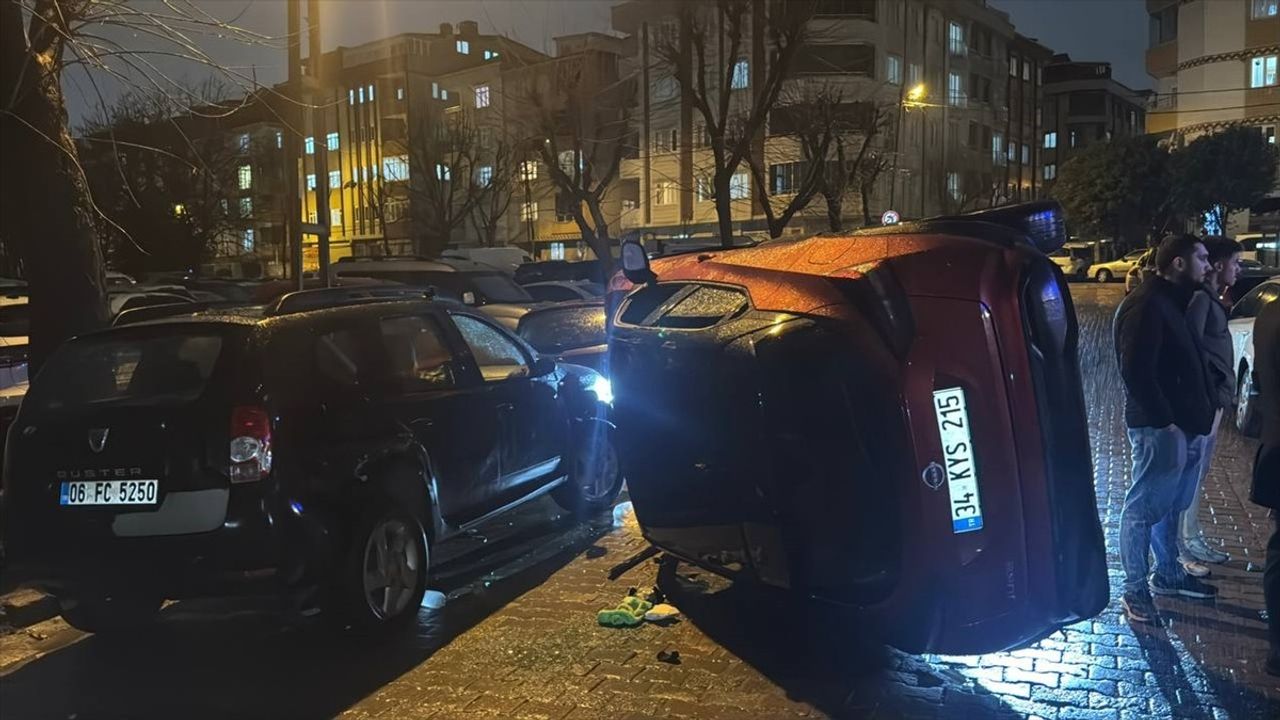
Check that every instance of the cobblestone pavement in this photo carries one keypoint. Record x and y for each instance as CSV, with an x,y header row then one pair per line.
x,y
517,637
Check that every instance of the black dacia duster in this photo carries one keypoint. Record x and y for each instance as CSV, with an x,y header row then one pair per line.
x,y
326,442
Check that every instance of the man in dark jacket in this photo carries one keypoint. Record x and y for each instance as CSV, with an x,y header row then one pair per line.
x,y
1168,411
1266,467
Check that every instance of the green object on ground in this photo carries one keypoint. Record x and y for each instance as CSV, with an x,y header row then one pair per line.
x,y
629,613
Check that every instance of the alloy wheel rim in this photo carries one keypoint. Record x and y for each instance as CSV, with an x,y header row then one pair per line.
x,y
597,472
391,568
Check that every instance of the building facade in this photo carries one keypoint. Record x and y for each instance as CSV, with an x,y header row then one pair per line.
x,y
939,70
1084,105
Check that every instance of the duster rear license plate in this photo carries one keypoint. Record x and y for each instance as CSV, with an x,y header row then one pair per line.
x,y
109,492
952,412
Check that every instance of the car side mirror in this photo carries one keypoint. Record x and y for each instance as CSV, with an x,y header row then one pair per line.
x,y
543,365
635,263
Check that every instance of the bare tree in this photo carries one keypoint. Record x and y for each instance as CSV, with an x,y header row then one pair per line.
x,y
444,186
797,182
708,56
48,212
580,131
499,182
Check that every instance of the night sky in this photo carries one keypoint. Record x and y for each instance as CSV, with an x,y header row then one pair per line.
x,y
1111,30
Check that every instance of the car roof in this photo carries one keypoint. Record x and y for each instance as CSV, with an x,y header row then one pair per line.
x,y
356,266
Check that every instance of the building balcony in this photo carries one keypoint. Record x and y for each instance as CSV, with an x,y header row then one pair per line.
x,y
1162,60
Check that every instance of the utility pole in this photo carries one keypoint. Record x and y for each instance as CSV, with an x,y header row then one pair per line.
x,y
320,106
293,127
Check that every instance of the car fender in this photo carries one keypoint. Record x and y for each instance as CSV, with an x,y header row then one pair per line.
x,y
403,470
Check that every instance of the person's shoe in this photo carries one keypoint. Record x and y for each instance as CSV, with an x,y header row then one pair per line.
x,y
1186,586
1194,568
1198,549
1139,607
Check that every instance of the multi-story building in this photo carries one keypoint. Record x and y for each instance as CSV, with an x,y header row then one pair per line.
x,y
1024,158
1084,105
1215,64
948,144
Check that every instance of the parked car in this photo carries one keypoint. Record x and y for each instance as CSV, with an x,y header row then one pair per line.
x,y
837,417
562,290
1134,276
322,446
1116,269
118,302
572,332
1248,420
1071,265
492,290
506,258
1252,274
549,270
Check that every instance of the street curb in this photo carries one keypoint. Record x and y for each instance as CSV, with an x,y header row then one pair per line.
x,y
22,608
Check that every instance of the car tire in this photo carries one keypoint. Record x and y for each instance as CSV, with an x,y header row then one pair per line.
x,y
1248,420
384,575
595,473
1103,276
109,612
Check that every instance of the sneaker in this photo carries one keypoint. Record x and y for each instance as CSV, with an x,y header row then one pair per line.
x,y
1185,586
1198,549
1139,607
1194,568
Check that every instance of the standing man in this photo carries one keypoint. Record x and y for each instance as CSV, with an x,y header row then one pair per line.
x,y
1168,413
1207,319
1266,467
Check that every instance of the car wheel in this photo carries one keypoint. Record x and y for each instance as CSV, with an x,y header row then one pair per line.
x,y
385,574
1103,276
1248,422
595,476
109,612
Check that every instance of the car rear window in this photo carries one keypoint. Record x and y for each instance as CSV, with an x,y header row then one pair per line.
x,y
553,331
128,369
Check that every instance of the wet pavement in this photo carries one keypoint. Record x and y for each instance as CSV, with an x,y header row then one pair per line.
x,y
512,634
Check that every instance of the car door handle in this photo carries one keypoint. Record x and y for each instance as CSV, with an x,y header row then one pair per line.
x,y
422,423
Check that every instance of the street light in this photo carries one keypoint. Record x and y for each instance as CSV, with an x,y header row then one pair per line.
x,y
915,95
912,99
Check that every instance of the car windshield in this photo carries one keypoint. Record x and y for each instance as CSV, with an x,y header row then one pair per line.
x,y
553,331
488,287
127,369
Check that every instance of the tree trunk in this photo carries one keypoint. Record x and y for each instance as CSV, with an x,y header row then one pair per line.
x,y
603,247
865,192
835,212
46,208
724,209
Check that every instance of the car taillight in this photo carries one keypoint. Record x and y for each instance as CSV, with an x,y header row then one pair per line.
x,y
250,444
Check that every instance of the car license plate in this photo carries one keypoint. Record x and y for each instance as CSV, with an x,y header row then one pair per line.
x,y
109,492
952,412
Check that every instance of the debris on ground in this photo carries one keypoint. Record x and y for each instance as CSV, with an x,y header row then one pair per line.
x,y
629,613
671,657
662,613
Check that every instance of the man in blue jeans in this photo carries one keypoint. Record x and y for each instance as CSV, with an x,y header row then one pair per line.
x,y
1169,414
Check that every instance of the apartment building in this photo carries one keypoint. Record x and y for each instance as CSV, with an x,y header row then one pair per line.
x,y
1024,176
1083,105
949,146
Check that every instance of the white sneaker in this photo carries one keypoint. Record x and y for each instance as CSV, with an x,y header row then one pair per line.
x,y
1198,549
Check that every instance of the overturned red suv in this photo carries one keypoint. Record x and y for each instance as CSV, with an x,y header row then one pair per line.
x,y
890,420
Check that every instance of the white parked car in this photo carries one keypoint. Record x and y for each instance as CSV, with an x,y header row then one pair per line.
x,y
1073,266
1241,325
1115,269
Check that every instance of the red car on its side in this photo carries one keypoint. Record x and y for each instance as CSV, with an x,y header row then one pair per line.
x,y
890,420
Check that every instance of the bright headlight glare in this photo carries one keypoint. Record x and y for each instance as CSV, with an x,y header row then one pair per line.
x,y
603,389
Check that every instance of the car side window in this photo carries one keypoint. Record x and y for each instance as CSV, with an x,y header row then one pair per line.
x,y
337,356
1251,304
419,359
498,356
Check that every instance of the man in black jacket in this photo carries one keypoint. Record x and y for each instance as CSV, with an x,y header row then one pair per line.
x,y
1168,411
1266,467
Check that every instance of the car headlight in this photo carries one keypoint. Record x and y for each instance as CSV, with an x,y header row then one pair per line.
x,y
603,389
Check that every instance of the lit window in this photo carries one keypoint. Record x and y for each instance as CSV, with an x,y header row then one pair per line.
x,y
893,69
1050,171
435,90
740,186
955,90
1263,71
245,175
335,217
335,179
664,193
1026,154
1013,66
566,161
243,142
331,141
311,181
997,148
399,93
394,168
482,96
246,240
953,185
279,140
370,93
1269,133
528,211
309,145
704,190
246,207
351,96
464,47
557,251
741,75
443,172
360,95
528,170
1051,140
484,177
955,39
1265,8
